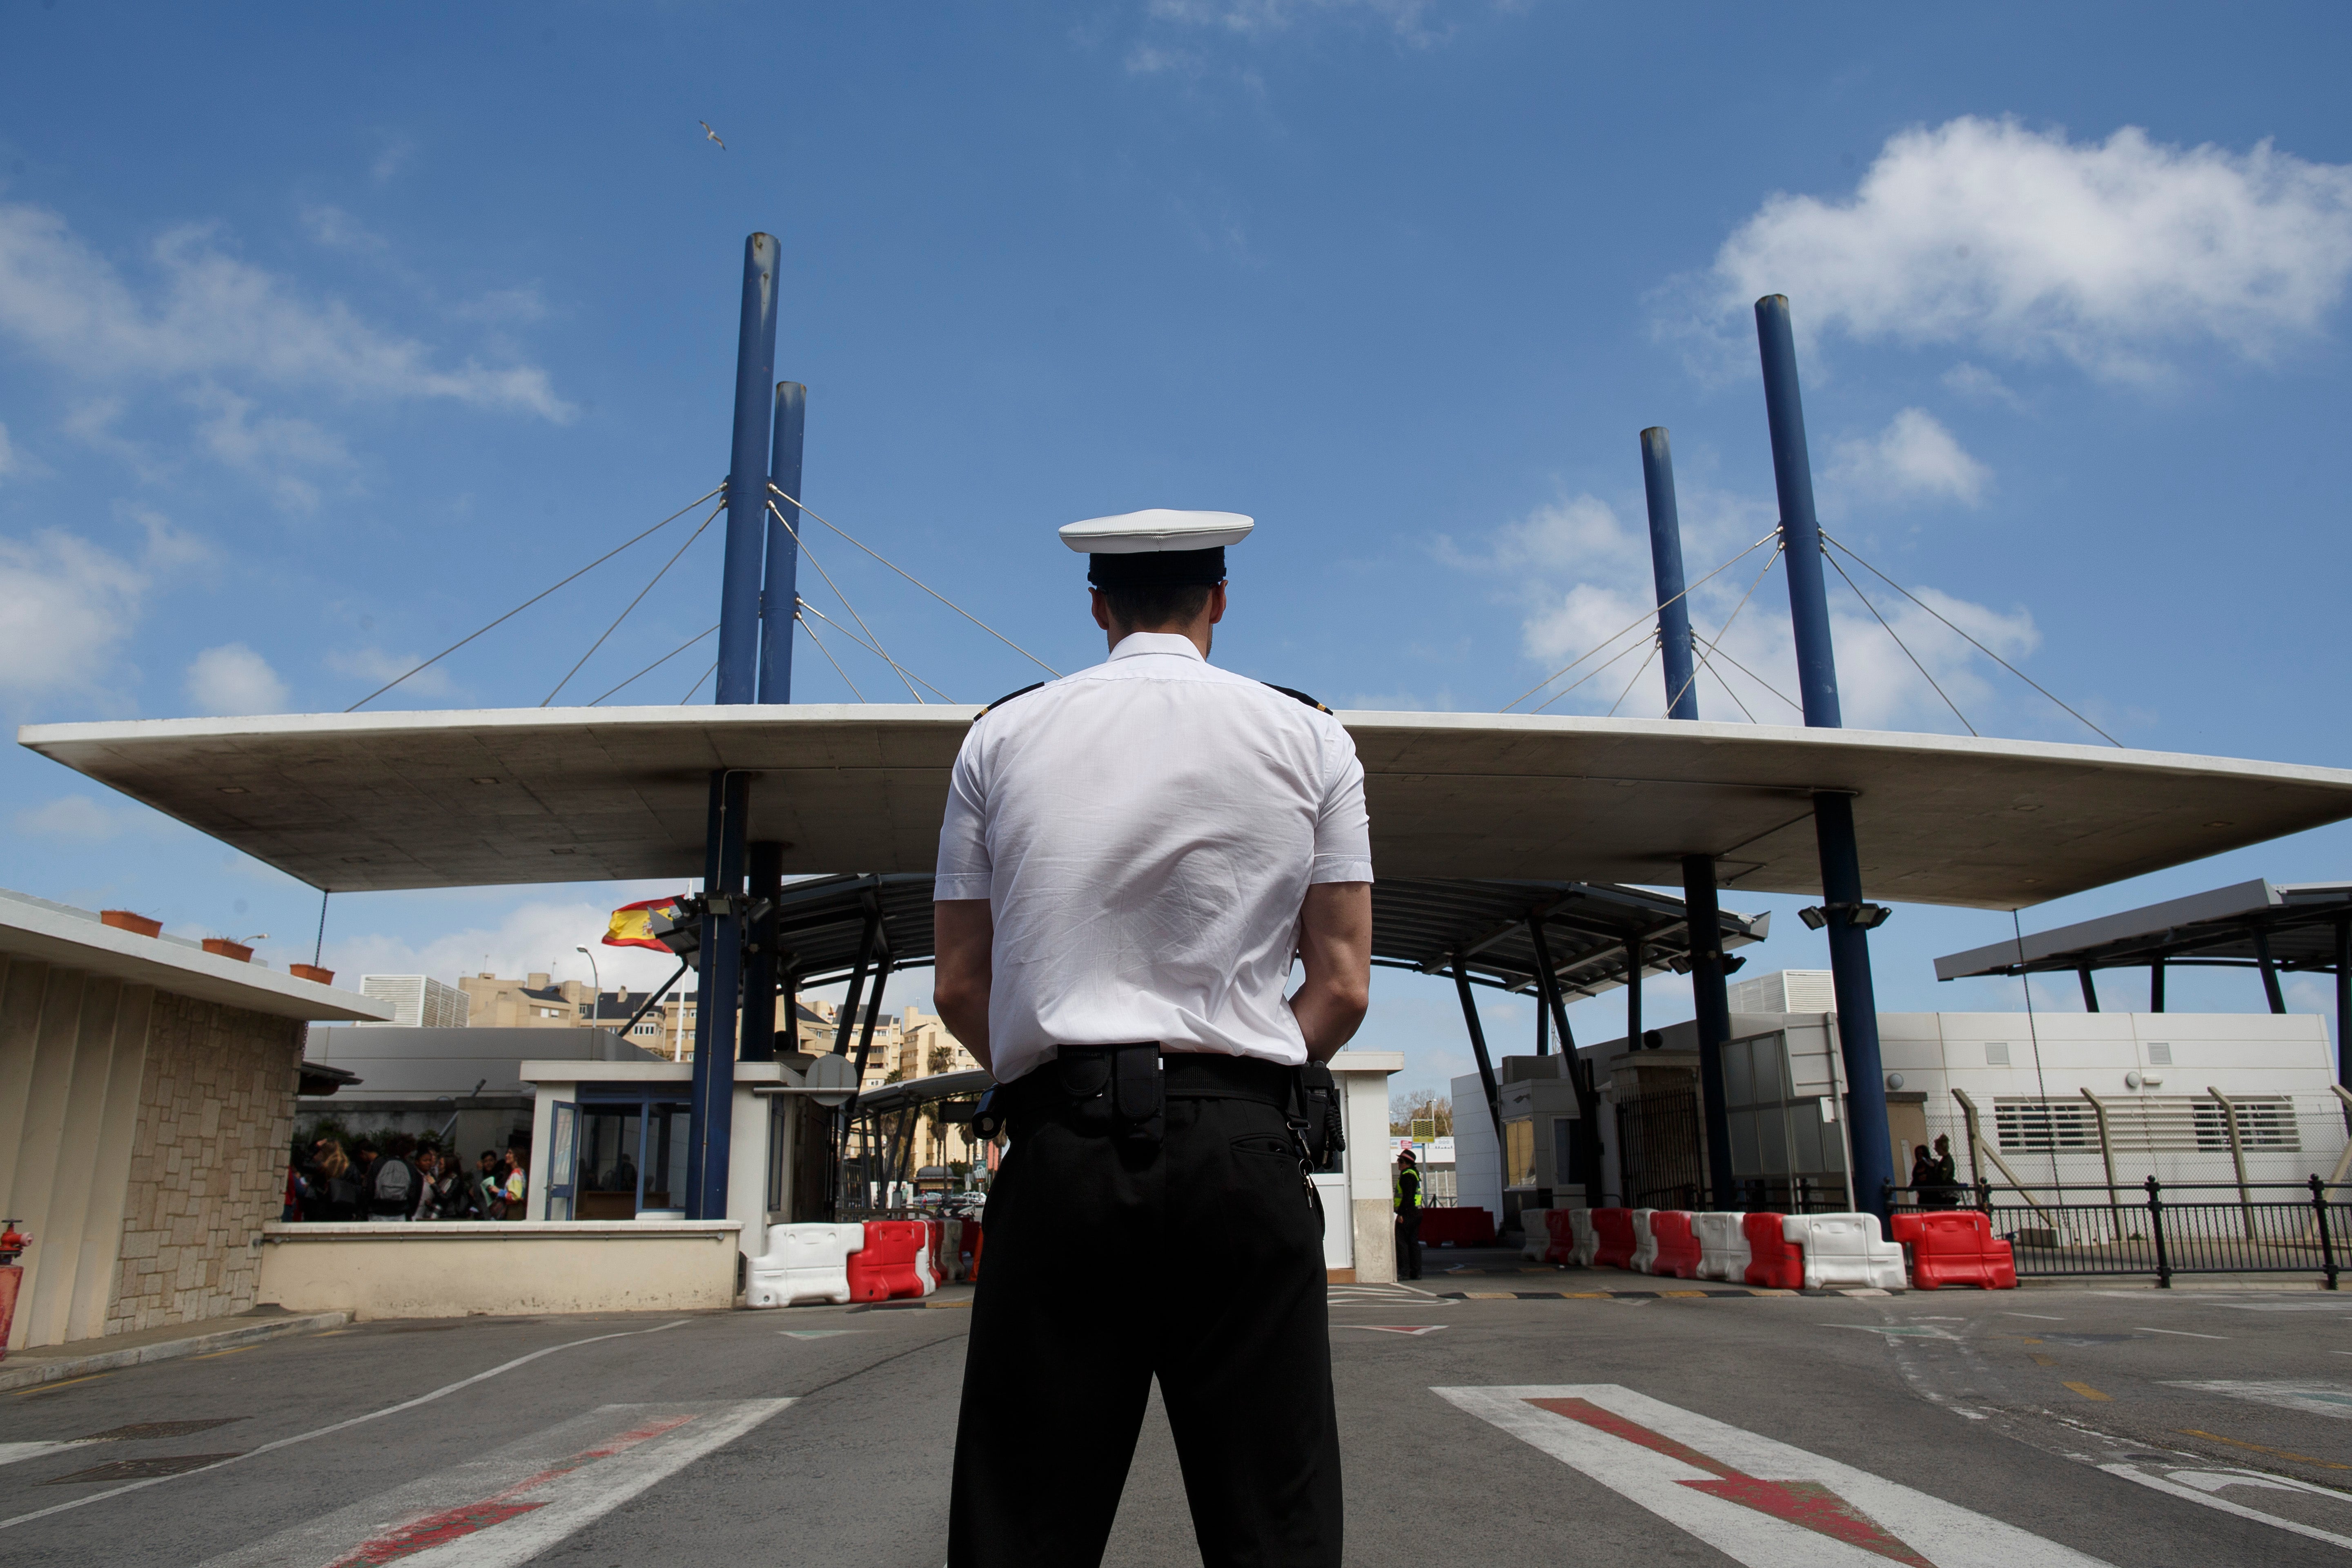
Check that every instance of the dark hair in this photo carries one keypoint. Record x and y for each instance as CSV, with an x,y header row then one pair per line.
x,y
1144,607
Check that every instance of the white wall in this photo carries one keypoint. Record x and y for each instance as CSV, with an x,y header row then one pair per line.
x,y
1477,1158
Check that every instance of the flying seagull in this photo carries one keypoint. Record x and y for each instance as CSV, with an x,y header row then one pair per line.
x,y
711,133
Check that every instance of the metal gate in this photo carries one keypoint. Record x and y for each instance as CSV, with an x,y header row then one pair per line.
x,y
1658,1150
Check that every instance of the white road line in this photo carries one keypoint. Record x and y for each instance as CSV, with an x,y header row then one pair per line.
x,y
2043,1315
1760,1502
508,1506
2183,1334
2170,1486
2315,1398
12,1452
447,1388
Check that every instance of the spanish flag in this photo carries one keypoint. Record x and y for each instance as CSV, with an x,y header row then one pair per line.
x,y
631,924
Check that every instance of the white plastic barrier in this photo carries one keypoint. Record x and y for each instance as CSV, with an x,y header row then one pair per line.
x,y
928,1268
1722,1247
1588,1240
803,1263
1645,1246
1843,1250
1535,1234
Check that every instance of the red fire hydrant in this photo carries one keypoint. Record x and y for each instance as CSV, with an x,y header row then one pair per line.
x,y
12,1242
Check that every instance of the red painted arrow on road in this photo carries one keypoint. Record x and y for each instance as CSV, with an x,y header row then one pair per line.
x,y
1807,1504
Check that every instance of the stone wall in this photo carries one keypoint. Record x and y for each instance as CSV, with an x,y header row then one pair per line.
x,y
208,1164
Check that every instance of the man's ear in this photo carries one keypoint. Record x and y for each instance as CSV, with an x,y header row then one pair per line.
x,y
1216,603
1102,609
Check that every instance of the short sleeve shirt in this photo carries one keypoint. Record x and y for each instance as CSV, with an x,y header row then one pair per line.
x,y
1145,833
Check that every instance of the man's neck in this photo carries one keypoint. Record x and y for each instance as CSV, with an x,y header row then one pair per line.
x,y
1200,633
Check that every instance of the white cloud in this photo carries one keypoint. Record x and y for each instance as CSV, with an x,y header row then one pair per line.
x,y
2027,244
66,608
1256,18
8,461
338,230
74,817
1582,578
1979,385
1914,459
270,446
209,315
233,680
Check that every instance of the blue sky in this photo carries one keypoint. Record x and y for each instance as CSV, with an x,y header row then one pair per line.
x,y
328,334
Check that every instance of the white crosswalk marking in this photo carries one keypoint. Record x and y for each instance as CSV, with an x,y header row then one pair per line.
x,y
2317,1398
506,1508
12,1452
1757,1501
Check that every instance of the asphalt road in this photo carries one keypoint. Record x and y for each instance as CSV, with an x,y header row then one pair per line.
x,y
2128,1426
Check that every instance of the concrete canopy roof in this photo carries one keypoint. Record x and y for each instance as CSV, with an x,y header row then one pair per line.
x,y
74,940
357,802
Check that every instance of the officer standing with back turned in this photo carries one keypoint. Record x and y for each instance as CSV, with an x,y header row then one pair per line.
x,y
1131,857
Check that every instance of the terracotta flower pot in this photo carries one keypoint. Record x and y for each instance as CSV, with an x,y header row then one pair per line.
x,y
228,949
123,920
311,972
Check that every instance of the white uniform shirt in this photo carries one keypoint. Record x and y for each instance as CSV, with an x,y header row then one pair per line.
x,y
1145,832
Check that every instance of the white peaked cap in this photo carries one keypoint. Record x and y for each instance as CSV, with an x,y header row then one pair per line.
x,y
1144,533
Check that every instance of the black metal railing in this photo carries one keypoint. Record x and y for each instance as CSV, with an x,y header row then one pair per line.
x,y
2159,1228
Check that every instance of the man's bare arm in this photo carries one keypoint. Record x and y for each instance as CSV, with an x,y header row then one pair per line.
x,y
964,935
1335,944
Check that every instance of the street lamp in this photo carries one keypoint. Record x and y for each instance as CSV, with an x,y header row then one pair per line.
x,y
592,971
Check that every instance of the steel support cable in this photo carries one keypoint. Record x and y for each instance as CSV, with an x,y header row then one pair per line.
x,y
829,658
918,582
697,685
1914,658
1644,616
1981,647
807,608
875,642
1715,651
1638,671
1588,675
699,531
1724,630
662,660
534,599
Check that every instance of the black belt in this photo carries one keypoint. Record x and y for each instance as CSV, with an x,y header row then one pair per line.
x,y
1127,1085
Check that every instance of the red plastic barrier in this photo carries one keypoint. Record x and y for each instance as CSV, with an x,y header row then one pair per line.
x,y
1563,1237
885,1269
1678,1245
936,1241
1773,1261
977,1233
1462,1227
1613,1229
1955,1246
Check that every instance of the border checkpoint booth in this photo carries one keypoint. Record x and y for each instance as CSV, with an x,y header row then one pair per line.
x,y
364,801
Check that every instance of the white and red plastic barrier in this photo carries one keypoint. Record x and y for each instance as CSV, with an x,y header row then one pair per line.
x,y
1787,1252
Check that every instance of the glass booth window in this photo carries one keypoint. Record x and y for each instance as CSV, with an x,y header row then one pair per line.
x,y
632,1156
1519,1152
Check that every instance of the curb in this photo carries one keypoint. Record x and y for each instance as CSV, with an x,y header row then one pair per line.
x,y
1742,1292
16,1376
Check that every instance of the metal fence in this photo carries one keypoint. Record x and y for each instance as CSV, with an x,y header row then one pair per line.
x,y
2161,1228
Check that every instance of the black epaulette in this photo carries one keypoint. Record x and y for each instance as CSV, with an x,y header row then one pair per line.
x,y
1287,691
1011,695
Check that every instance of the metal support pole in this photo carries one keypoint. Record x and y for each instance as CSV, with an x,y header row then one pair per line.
x,y
1666,568
2090,992
848,1019
712,1103
767,859
747,477
1800,536
2343,1001
1479,1049
1543,1029
1633,993
2237,1156
872,1016
780,593
1711,1003
1580,1074
2155,986
2270,970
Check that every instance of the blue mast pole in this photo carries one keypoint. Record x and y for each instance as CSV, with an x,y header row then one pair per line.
x,y
1711,1003
712,1102
1800,536
780,596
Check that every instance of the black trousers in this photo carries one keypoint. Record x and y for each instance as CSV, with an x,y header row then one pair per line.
x,y
1199,1262
1408,1241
